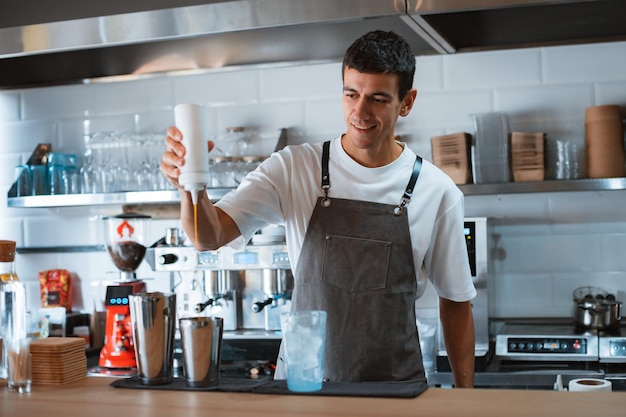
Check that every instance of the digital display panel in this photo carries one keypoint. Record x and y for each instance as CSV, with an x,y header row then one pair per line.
x,y
470,240
118,295
208,258
281,257
246,258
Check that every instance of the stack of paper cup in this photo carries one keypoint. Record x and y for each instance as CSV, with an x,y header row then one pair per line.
x,y
604,139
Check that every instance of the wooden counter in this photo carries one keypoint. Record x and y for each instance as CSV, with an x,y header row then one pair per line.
x,y
93,397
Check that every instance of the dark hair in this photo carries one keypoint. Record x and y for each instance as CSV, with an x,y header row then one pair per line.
x,y
380,52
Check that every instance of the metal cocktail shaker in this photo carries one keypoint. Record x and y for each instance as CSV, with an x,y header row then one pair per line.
x,y
153,317
201,339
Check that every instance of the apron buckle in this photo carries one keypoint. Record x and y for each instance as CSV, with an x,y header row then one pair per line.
x,y
403,202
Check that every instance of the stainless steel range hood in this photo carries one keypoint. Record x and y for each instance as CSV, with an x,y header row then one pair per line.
x,y
69,41
470,25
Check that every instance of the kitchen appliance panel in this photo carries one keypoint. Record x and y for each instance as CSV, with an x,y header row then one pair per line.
x,y
612,349
549,342
476,237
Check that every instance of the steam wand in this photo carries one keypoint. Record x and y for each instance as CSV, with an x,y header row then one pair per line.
x,y
200,307
260,305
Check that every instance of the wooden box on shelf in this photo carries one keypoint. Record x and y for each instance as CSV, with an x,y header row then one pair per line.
x,y
527,156
451,153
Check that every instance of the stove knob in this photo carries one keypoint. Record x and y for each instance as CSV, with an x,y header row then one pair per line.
x,y
167,258
531,346
539,346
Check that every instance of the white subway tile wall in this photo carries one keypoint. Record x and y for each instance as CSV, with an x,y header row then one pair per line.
x,y
541,246
10,107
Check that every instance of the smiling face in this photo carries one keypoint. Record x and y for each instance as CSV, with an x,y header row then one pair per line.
x,y
371,108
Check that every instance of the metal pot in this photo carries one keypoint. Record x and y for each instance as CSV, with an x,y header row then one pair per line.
x,y
595,310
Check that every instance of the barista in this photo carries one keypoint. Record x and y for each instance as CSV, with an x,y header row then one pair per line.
x,y
367,223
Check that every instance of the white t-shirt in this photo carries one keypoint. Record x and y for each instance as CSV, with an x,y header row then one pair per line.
x,y
285,188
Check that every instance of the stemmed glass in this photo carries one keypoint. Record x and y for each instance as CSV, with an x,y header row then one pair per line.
x,y
141,170
156,149
93,171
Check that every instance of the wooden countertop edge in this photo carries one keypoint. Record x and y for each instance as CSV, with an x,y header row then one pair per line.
x,y
93,397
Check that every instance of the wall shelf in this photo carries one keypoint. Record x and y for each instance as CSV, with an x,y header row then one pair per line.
x,y
587,184
172,196
122,198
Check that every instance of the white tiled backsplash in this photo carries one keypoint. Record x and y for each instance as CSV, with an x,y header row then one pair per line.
x,y
541,248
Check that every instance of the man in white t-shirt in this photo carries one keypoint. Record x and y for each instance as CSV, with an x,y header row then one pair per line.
x,y
367,223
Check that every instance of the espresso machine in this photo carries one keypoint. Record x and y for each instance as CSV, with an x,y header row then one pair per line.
x,y
125,244
248,288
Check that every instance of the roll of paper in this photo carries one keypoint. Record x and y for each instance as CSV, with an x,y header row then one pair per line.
x,y
590,385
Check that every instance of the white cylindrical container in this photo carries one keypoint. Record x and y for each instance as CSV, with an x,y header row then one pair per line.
x,y
191,120
590,385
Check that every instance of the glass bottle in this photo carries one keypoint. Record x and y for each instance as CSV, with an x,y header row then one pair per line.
x,y
13,327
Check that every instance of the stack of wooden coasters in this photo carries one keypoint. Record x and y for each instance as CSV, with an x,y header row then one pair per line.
x,y
58,360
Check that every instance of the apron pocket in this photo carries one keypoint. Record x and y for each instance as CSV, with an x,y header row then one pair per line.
x,y
355,264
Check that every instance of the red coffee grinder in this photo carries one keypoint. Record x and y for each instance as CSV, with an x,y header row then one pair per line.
x,y
125,235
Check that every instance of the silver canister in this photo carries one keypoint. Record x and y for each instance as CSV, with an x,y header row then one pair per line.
x,y
201,339
153,317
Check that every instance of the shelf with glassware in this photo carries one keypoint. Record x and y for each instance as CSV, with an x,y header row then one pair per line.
x,y
119,198
117,168
99,187
172,196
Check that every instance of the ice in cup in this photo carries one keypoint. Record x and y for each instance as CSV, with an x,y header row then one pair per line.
x,y
304,340
19,366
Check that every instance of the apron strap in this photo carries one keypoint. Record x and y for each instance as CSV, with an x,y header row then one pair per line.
x,y
325,176
408,192
406,197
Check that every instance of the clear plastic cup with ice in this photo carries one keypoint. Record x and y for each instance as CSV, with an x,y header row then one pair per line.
x,y
304,339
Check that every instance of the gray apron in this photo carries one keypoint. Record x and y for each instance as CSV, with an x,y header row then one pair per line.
x,y
357,265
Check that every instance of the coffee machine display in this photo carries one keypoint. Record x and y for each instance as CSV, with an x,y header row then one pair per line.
x,y
125,244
